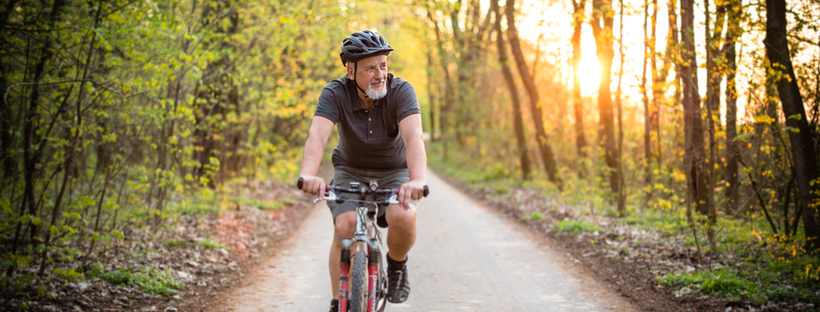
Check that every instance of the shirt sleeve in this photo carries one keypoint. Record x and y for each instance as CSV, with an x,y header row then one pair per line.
x,y
328,106
407,102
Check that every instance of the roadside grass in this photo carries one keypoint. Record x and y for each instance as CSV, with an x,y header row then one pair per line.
x,y
755,264
575,227
209,243
147,278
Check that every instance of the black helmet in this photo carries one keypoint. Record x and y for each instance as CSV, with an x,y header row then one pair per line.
x,y
363,44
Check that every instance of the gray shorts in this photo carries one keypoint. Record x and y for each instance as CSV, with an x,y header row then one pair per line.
x,y
342,176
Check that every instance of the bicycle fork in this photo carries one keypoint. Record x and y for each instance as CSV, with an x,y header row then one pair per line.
x,y
373,254
372,275
344,289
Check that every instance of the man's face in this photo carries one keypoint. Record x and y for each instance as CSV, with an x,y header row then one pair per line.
x,y
372,76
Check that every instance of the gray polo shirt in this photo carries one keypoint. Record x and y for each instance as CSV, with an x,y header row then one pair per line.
x,y
368,138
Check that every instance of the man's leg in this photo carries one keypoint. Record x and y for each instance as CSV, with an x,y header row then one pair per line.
x,y
345,228
401,235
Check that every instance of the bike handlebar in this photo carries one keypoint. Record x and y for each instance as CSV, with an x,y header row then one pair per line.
x,y
362,190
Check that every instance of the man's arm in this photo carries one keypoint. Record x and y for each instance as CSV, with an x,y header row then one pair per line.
x,y
320,131
416,156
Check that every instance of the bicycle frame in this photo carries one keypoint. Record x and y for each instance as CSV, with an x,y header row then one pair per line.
x,y
366,238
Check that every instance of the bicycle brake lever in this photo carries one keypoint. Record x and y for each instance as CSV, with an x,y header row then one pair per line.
x,y
328,196
394,199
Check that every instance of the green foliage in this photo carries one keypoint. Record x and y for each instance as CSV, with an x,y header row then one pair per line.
x,y
725,283
174,242
69,275
535,215
147,278
570,226
209,243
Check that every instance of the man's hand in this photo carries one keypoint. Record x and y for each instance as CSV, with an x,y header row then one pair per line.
x,y
413,189
313,185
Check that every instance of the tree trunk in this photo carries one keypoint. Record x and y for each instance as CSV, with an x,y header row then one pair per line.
x,y
647,125
713,78
580,138
431,96
803,150
621,191
538,116
518,119
602,20
732,155
693,125
446,106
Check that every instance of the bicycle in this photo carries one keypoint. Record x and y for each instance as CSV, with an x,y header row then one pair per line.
x,y
367,247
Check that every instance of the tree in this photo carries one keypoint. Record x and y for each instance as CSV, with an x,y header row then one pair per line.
x,y
800,133
602,20
578,17
537,114
732,154
518,119
693,125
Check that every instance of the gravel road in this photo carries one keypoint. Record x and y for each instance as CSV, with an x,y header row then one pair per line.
x,y
467,258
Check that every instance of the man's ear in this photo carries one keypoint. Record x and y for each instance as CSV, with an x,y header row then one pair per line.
x,y
350,72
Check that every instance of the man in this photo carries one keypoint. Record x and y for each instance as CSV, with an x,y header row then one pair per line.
x,y
380,137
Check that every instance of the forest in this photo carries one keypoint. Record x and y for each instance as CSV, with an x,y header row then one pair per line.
x,y
697,120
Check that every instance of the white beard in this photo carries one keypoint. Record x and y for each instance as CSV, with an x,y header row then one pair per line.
x,y
373,94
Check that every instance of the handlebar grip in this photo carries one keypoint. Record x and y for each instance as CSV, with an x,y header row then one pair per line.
x,y
426,191
302,181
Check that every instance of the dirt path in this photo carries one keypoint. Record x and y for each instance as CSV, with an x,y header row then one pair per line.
x,y
467,258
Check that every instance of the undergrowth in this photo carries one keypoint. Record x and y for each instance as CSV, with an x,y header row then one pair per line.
x,y
147,278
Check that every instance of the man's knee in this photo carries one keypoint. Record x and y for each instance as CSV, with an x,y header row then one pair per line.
x,y
345,226
399,218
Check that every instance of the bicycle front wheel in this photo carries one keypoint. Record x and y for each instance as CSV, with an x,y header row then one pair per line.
x,y
358,287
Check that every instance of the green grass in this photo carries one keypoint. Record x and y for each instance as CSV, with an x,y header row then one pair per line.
x,y
569,226
209,243
147,278
535,215
174,242
725,283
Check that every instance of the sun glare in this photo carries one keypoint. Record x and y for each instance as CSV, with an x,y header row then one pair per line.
x,y
589,72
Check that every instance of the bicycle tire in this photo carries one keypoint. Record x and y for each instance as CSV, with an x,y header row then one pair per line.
x,y
358,287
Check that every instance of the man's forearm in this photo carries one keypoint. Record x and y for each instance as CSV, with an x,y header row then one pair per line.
x,y
312,157
416,159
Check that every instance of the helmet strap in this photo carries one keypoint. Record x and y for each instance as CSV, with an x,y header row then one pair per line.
x,y
356,82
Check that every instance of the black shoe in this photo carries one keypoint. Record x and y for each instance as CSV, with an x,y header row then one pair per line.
x,y
334,305
399,287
